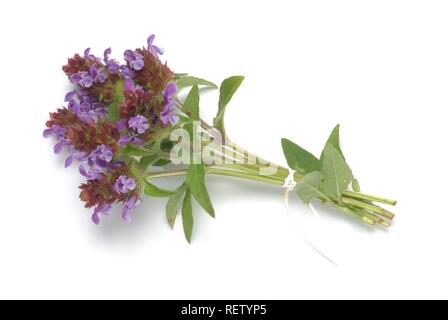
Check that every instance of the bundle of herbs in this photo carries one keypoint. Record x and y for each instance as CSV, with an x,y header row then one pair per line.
x,y
126,126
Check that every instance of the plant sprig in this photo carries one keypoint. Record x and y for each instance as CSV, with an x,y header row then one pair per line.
x,y
126,125
328,178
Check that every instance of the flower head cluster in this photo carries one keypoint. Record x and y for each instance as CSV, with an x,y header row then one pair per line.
x,y
113,104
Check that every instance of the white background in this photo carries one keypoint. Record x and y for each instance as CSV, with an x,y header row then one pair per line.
x,y
379,68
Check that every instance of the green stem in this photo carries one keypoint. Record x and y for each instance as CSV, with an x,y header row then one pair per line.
x,y
354,203
243,175
215,171
362,196
349,194
165,174
366,217
370,207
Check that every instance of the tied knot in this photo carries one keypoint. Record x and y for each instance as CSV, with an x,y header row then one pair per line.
x,y
290,183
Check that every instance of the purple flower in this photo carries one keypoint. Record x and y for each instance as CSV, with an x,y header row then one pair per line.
x,y
86,107
121,125
129,85
89,117
87,79
55,131
70,96
103,209
127,139
91,173
58,147
83,78
97,74
139,123
124,184
153,49
90,57
101,156
169,92
75,155
127,72
134,59
129,205
168,116
78,93
98,160
59,132
112,65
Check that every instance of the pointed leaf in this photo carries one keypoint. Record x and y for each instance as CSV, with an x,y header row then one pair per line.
x,y
153,160
189,81
298,158
187,216
191,104
309,187
154,191
196,184
333,139
173,204
161,163
226,92
131,150
338,174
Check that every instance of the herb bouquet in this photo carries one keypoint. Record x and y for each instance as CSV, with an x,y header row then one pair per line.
x,y
126,127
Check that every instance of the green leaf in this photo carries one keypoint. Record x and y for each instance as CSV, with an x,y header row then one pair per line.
x,y
153,160
161,163
338,174
166,145
131,150
147,161
191,104
298,158
333,139
196,184
154,191
183,120
355,185
187,216
309,186
172,206
227,90
177,76
189,81
113,111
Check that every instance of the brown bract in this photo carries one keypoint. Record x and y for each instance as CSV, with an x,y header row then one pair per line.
x,y
75,64
85,136
154,75
101,191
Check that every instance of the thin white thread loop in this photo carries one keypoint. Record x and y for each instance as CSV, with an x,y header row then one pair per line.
x,y
289,185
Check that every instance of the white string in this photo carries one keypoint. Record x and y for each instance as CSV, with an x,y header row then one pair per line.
x,y
289,185
290,182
